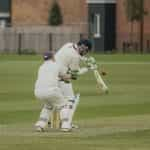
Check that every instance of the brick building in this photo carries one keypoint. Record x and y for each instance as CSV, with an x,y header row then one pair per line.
x,y
35,12
105,20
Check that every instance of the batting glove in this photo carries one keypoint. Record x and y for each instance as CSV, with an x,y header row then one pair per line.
x,y
91,60
74,74
92,67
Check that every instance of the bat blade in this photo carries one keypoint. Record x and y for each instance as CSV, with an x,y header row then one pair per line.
x,y
101,84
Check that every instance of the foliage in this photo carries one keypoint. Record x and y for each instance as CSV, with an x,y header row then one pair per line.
x,y
55,16
27,51
130,9
134,12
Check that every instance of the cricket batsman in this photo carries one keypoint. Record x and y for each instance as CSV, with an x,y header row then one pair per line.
x,y
69,57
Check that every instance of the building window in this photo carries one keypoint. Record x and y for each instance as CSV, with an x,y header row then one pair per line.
x,y
5,7
96,25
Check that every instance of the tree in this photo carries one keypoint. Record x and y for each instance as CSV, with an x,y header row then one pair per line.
x,y
55,16
131,15
135,12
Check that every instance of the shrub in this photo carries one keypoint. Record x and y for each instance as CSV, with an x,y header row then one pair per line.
x,y
55,16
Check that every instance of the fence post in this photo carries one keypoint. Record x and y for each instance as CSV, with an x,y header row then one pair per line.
x,y
50,41
19,43
148,46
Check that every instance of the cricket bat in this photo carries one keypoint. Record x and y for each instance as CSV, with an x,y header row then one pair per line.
x,y
100,82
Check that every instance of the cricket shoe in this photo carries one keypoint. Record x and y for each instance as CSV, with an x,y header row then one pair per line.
x,y
40,126
65,127
39,129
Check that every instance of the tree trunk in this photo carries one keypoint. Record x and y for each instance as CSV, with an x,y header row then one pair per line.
x,y
131,33
141,25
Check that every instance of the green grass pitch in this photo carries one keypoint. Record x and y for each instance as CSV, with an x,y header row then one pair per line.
x,y
117,121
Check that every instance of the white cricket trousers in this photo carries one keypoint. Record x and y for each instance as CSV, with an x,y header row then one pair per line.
x,y
66,89
51,98
68,93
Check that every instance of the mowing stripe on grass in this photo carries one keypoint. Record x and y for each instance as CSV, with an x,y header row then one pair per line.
x,y
124,63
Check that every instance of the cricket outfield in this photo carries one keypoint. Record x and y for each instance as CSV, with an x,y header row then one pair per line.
x,y
119,120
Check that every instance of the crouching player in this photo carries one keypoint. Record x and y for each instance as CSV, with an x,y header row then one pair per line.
x,y
48,92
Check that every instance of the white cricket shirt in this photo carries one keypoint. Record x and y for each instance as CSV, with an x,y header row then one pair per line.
x,y
47,75
68,57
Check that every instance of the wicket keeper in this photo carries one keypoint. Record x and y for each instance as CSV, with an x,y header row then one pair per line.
x,y
48,92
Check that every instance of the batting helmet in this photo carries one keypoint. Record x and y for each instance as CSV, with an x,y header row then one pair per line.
x,y
85,42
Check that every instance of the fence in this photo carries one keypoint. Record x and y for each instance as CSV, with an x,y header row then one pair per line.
x,y
128,44
39,40
34,41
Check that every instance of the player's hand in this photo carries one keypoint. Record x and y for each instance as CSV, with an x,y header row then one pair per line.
x,y
92,67
74,74
91,60
66,78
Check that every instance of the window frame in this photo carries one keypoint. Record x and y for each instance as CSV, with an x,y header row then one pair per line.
x,y
97,25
